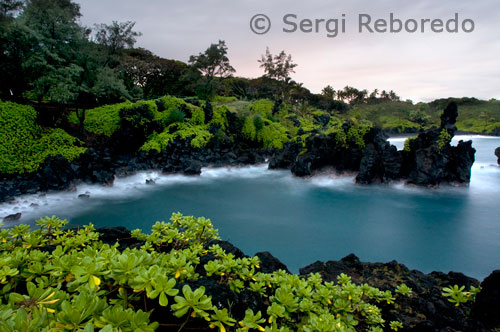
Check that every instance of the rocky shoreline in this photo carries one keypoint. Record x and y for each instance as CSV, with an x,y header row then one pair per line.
x,y
425,310
429,159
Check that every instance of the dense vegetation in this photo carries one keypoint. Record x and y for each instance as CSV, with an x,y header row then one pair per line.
x,y
25,145
54,279
58,65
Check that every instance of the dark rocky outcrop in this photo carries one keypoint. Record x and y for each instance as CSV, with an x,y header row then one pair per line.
x,y
381,161
429,161
497,153
486,308
425,310
13,217
269,263
426,163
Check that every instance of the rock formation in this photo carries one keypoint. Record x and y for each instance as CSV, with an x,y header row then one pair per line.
x,y
429,159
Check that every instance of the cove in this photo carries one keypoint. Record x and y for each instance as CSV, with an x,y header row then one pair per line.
x,y
304,220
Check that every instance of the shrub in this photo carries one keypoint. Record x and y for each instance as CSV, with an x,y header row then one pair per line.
x,y
273,135
219,118
25,146
223,99
197,117
356,133
199,136
82,284
175,116
444,139
104,120
263,107
407,144
248,130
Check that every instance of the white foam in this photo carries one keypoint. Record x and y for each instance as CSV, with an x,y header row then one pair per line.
x,y
59,203
246,172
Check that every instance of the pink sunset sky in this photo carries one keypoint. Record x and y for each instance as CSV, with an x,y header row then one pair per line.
x,y
418,66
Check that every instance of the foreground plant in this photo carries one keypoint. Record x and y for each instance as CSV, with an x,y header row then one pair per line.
x,y
55,279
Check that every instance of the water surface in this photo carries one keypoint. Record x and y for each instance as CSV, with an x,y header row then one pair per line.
x,y
304,220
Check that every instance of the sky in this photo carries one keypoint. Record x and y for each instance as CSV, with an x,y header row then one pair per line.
x,y
418,66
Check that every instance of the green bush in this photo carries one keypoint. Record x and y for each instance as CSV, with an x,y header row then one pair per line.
x,y
197,116
104,120
223,99
273,135
25,146
444,139
248,130
199,136
175,116
407,144
85,285
263,107
219,118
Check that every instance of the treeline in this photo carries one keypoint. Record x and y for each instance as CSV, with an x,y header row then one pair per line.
x,y
47,56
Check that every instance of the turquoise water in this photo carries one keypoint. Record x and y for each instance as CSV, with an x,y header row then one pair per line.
x,y
304,220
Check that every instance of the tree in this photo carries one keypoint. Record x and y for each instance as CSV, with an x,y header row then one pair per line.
x,y
156,76
117,36
279,66
9,7
328,92
213,62
207,66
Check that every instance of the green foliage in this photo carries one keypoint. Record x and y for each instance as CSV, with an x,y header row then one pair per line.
x,y
158,142
397,124
25,146
444,139
356,133
199,136
197,117
273,135
248,129
57,142
85,285
263,107
73,118
395,325
403,289
458,296
175,115
219,118
407,144
223,99
104,120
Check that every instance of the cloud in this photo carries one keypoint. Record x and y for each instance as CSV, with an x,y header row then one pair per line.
x,y
417,66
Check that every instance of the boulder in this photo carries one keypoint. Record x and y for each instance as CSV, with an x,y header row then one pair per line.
x,y
284,158
13,217
381,161
497,153
269,263
192,167
486,307
56,174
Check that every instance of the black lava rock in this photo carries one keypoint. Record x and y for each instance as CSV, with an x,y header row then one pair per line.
x,y
269,263
13,217
425,310
486,308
